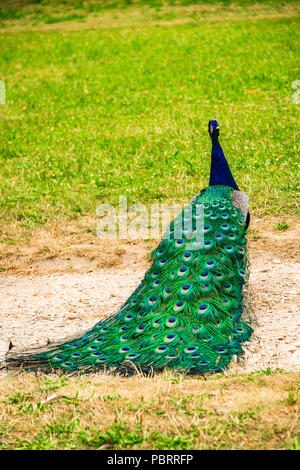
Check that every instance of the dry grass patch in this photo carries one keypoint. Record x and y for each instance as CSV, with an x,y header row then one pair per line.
x,y
169,411
73,245
68,245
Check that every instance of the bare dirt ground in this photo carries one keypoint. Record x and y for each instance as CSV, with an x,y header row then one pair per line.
x,y
60,296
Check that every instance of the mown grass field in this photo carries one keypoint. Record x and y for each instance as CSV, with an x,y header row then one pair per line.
x,y
113,98
118,104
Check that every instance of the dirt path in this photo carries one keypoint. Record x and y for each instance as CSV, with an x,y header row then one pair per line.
x,y
35,308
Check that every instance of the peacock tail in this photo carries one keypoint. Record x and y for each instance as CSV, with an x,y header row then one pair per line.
x,y
186,314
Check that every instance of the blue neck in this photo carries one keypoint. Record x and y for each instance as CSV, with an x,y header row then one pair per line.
x,y
219,171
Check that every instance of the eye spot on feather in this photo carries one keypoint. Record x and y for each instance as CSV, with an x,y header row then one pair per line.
x,y
169,338
240,330
203,308
197,328
205,287
171,356
179,306
190,349
167,292
206,339
218,275
161,349
171,321
221,351
181,271
95,354
163,261
128,317
204,275
140,328
156,323
210,264
98,340
197,215
124,350
58,358
131,356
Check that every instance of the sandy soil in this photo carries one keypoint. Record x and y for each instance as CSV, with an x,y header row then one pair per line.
x,y
52,305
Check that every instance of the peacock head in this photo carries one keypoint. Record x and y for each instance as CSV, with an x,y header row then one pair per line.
x,y
213,129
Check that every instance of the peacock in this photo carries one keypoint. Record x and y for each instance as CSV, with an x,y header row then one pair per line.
x,y
186,314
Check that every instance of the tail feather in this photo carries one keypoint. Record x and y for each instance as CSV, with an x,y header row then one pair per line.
x,y
186,312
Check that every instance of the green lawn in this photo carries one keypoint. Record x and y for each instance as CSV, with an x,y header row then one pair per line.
x,y
96,112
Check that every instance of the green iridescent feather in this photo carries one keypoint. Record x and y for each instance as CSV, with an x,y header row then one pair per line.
x,y
186,312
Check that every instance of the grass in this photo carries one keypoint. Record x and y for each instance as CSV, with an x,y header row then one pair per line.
x,y
240,411
112,98
282,226
120,106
